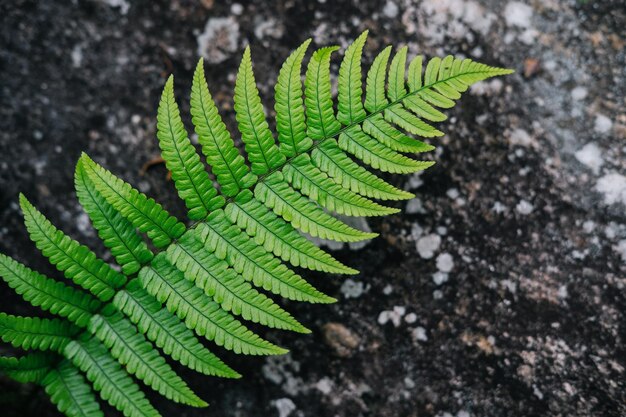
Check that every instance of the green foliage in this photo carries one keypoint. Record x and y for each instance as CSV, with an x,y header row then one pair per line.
x,y
210,277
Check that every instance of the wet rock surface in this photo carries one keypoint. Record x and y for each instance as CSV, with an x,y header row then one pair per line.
x,y
501,287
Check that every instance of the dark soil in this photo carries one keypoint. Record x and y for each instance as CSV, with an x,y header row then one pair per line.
x,y
527,199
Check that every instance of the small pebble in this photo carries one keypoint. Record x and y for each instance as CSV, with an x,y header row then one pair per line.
x,y
341,339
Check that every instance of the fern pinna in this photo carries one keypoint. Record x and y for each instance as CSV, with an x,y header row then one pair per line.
x,y
207,279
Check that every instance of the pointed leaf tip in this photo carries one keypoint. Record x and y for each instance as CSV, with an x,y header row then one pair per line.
x,y
200,64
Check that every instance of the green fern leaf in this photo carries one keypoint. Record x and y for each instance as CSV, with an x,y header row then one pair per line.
x,y
116,232
414,78
75,260
380,129
375,96
35,333
373,153
350,108
321,121
303,214
31,367
398,115
253,263
48,294
227,287
329,158
139,357
263,153
423,109
306,177
143,212
71,393
397,87
192,181
168,332
199,312
289,106
108,378
227,164
279,237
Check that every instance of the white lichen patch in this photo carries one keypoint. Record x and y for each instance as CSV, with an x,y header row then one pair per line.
x,y
285,406
591,156
428,245
518,14
394,316
602,124
419,334
352,289
524,207
445,262
457,19
219,40
613,187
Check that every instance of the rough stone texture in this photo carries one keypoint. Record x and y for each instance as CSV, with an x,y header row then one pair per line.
x,y
530,321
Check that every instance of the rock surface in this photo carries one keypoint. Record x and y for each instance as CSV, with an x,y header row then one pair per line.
x,y
529,317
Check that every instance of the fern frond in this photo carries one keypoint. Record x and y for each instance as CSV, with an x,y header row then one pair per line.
x,y
423,109
226,286
117,233
375,95
139,357
397,82
329,158
36,333
71,393
166,331
263,153
253,262
373,153
192,181
31,367
200,313
289,108
48,294
108,378
279,237
144,213
406,120
245,230
321,121
378,128
229,167
76,261
313,183
350,107
302,213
